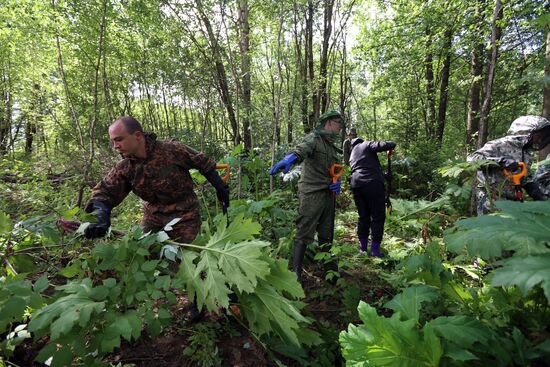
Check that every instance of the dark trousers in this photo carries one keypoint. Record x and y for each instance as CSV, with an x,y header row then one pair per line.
x,y
370,203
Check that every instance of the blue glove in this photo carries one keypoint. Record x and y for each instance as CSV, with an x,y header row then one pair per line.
x,y
336,187
284,164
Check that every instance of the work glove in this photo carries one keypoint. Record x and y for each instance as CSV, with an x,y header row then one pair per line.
x,y
222,190
509,164
336,187
99,229
534,191
284,164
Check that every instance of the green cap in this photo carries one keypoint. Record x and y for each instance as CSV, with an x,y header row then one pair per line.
x,y
329,115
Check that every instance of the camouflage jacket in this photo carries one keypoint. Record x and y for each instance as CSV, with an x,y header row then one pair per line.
x,y
317,153
162,179
512,146
542,176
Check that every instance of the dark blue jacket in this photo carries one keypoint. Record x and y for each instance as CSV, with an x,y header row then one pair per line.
x,y
364,163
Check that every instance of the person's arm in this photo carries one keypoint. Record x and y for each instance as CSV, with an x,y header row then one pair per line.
x,y
107,194
207,167
304,149
381,146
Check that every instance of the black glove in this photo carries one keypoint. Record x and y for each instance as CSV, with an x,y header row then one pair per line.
x,y
99,229
534,191
222,190
509,164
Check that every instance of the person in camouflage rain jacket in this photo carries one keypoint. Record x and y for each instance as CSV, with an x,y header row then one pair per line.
x,y
157,172
525,135
317,153
542,177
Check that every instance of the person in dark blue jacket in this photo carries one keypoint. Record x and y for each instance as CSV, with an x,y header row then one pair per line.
x,y
367,184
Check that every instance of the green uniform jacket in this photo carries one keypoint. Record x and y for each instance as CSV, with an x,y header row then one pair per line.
x,y
318,153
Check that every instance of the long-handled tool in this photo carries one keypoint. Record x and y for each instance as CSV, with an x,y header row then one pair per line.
x,y
225,178
515,178
389,178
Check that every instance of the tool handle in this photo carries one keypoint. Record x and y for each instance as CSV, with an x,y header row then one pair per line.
x,y
336,175
225,166
390,153
516,177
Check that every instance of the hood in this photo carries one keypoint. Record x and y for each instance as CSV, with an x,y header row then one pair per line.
x,y
356,141
525,125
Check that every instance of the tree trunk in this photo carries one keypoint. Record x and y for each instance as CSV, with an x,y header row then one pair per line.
x,y
474,96
311,65
546,102
430,87
6,111
496,34
244,46
444,86
95,116
323,64
302,71
222,81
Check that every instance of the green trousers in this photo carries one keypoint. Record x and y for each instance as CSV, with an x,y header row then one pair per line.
x,y
315,215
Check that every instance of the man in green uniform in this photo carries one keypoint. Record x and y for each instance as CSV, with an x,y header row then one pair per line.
x,y
316,191
157,172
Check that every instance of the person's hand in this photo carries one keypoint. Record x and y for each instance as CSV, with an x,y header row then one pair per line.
x,y
509,164
99,229
222,190
284,164
336,187
222,193
95,230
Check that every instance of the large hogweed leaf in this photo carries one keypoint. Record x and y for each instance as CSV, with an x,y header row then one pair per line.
x,y
462,331
231,256
233,261
408,302
519,227
524,272
384,341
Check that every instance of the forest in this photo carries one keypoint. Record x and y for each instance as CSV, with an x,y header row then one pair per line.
x,y
244,81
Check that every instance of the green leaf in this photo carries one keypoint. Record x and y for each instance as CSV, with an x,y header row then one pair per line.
x,y
388,342
71,270
524,272
6,225
284,280
41,284
64,323
519,227
11,310
149,265
408,302
267,311
460,330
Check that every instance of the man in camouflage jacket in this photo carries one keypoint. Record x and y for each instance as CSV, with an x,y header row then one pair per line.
x,y
525,135
157,172
317,153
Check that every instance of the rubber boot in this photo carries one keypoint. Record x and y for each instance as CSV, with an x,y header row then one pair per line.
x,y
195,315
297,259
375,249
363,245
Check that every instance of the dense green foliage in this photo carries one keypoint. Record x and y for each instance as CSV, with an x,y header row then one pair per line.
x,y
243,81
